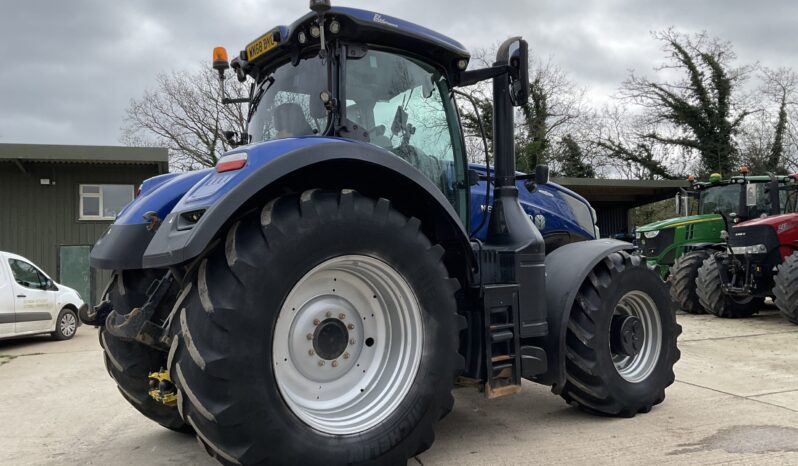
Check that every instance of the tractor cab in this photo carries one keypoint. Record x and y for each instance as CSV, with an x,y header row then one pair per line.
x,y
362,76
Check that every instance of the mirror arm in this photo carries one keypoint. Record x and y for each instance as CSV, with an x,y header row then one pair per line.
x,y
241,100
469,78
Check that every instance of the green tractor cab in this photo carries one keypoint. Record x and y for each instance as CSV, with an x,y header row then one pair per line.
x,y
677,247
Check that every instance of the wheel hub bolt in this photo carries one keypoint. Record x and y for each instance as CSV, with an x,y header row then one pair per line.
x,y
321,362
309,336
352,341
311,352
316,321
335,363
351,326
342,316
328,314
346,355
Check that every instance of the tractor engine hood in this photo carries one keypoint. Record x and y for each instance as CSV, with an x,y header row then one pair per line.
x,y
773,221
679,221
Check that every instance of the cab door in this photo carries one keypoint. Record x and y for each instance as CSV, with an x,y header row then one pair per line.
x,y
34,302
6,303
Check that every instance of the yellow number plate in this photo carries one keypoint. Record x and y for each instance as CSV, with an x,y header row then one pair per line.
x,y
262,45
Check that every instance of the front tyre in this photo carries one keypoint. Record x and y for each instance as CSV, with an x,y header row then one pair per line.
x,y
786,288
715,301
683,281
322,330
621,339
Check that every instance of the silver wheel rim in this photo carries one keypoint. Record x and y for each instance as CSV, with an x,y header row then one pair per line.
x,y
366,383
68,324
638,367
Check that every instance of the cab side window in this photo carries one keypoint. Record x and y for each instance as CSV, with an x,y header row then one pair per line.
x,y
26,274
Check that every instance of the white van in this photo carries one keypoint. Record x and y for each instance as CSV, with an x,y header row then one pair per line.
x,y
32,303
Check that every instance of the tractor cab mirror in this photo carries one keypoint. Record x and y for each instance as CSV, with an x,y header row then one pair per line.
x,y
519,72
751,194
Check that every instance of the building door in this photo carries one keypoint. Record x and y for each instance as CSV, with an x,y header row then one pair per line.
x,y
74,269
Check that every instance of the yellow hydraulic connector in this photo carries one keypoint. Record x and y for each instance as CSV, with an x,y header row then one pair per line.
x,y
162,389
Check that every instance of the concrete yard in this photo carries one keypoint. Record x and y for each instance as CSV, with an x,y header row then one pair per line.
x,y
735,401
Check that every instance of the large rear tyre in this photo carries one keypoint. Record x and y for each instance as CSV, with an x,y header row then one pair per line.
x,y
323,329
715,301
621,339
786,288
683,281
128,362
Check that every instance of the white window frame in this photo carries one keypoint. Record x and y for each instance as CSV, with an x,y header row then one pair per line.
x,y
98,195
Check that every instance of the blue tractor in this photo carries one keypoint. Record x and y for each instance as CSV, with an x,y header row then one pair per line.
x,y
314,297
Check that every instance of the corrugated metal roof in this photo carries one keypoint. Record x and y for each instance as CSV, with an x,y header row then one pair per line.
x,y
70,153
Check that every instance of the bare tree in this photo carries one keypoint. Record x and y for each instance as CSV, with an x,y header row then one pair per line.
x,y
620,142
699,107
556,108
184,113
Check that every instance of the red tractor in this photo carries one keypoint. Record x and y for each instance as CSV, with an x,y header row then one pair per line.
x,y
759,260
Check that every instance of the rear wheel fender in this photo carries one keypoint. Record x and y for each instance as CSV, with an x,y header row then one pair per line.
x,y
363,167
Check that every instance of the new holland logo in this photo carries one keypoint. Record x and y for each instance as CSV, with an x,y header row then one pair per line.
x,y
540,222
379,19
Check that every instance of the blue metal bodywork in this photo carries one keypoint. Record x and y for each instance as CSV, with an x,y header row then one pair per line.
x,y
433,37
549,201
549,206
184,192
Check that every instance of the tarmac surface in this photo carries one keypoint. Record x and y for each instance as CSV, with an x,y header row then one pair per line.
x,y
735,401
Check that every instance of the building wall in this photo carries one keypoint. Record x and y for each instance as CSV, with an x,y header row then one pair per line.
x,y
36,219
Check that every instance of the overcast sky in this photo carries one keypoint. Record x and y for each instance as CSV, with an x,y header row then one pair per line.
x,y
68,68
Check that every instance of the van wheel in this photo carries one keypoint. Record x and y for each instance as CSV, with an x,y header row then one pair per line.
x,y
66,326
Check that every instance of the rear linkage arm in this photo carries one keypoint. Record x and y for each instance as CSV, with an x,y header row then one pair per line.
x,y
137,324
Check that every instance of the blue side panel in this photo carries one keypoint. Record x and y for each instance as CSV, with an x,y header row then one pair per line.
x,y
547,201
159,194
212,188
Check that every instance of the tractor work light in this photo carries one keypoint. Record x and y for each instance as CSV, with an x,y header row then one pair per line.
x,y
651,234
335,27
315,32
231,162
302,37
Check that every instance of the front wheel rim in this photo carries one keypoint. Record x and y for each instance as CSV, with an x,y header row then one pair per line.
x,y
639,305
68,324
347,344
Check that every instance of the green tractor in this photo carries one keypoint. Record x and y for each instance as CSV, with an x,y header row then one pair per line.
x,y
677,247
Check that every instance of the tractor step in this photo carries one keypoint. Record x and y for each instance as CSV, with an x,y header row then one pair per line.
x,y
502,348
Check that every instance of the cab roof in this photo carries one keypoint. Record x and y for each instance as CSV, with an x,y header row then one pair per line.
x,y
364,27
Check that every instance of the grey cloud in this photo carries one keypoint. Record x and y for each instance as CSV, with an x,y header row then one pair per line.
x,y
71,67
